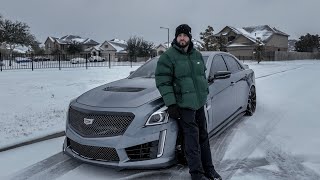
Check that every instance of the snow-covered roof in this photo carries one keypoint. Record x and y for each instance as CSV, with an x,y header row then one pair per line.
x,y
17,49
21,49
72,38
119,41
165,44
89,41
237,45
52,38
120,46
97,48
254,33
196,43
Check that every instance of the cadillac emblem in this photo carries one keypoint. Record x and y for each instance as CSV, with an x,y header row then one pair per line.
x,y
87,121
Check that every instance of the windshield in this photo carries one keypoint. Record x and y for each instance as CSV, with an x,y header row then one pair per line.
x,y
148,69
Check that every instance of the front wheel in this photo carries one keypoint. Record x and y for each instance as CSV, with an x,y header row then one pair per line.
x,y
252,102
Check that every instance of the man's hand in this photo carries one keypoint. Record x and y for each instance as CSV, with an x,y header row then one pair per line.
x,y
174,111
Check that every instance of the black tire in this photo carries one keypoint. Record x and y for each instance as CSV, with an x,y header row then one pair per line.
x,y
252,102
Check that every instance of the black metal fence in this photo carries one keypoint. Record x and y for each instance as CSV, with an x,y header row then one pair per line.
x,y
22,61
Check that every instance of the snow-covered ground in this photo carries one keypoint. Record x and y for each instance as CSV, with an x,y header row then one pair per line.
x,y
34,103
280,141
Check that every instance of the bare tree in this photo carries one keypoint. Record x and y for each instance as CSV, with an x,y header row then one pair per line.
x,y
138,47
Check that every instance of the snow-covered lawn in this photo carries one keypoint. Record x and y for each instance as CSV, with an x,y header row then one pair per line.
x,y
34,103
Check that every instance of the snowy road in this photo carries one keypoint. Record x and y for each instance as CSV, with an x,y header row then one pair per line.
x,y
280,141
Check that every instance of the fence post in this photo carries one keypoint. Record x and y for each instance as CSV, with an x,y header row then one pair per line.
x,y
109,61
32,62
1,61
59,61
86,61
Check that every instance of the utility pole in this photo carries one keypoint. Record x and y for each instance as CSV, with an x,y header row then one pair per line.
x,y
168,34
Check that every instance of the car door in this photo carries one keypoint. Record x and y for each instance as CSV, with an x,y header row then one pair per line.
x,y
238,82
220,90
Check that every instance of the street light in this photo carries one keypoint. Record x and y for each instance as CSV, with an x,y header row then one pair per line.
x,y
168,34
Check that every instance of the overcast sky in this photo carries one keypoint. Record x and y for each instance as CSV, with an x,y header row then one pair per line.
x,y
107,19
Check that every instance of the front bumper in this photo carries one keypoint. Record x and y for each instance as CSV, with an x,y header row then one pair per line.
x,y
160,138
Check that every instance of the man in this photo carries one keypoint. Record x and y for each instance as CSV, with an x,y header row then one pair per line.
x,y
181,81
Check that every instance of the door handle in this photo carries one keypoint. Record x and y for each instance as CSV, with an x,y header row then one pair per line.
x,y
232,83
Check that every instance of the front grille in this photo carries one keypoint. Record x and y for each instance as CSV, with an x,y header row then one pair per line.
x,y
105,125
94,152
143,151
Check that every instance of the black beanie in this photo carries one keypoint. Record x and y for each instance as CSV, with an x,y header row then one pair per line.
x,y
183,28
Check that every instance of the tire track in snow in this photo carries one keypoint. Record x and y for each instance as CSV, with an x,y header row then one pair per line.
x,y
253,141
219,144
280,72
46,169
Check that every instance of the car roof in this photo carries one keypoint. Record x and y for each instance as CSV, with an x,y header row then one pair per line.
x,y
209,53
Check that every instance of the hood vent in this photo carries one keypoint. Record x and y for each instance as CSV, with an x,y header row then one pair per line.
x,y
123,89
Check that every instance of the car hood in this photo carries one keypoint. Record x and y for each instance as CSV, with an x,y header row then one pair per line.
x,y
124,93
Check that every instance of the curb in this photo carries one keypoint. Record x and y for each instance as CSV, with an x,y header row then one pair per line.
x,y
51,136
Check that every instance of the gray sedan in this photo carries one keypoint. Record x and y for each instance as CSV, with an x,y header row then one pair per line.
x,y
124,124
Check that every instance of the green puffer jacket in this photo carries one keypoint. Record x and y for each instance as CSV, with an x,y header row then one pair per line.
x,y
180,78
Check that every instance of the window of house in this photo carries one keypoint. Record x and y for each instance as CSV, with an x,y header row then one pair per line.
x,y
106,46
231,38
218,64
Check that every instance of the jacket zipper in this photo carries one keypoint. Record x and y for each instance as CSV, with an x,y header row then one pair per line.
x,y
190,65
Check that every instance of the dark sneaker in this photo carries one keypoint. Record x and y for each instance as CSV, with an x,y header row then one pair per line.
x,y
213,175
198,177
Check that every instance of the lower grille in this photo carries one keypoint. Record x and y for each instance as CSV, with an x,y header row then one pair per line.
x,y
143,151
94,152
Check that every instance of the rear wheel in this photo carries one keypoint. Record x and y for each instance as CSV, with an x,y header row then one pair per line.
x,y
252,102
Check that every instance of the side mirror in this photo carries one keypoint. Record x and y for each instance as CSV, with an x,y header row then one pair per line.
x,y
210,79
222,75
131,72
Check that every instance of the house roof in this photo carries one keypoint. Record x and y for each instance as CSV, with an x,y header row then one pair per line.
x,y
17,49
196,43
72,38
97,48
119,45
253,33
119,41
165,46
52,38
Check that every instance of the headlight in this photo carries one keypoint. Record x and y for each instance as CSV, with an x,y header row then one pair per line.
x,y
158,117
68,108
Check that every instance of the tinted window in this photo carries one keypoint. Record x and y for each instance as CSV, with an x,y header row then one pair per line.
x,y
205,59
233,65
218,64
147,70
